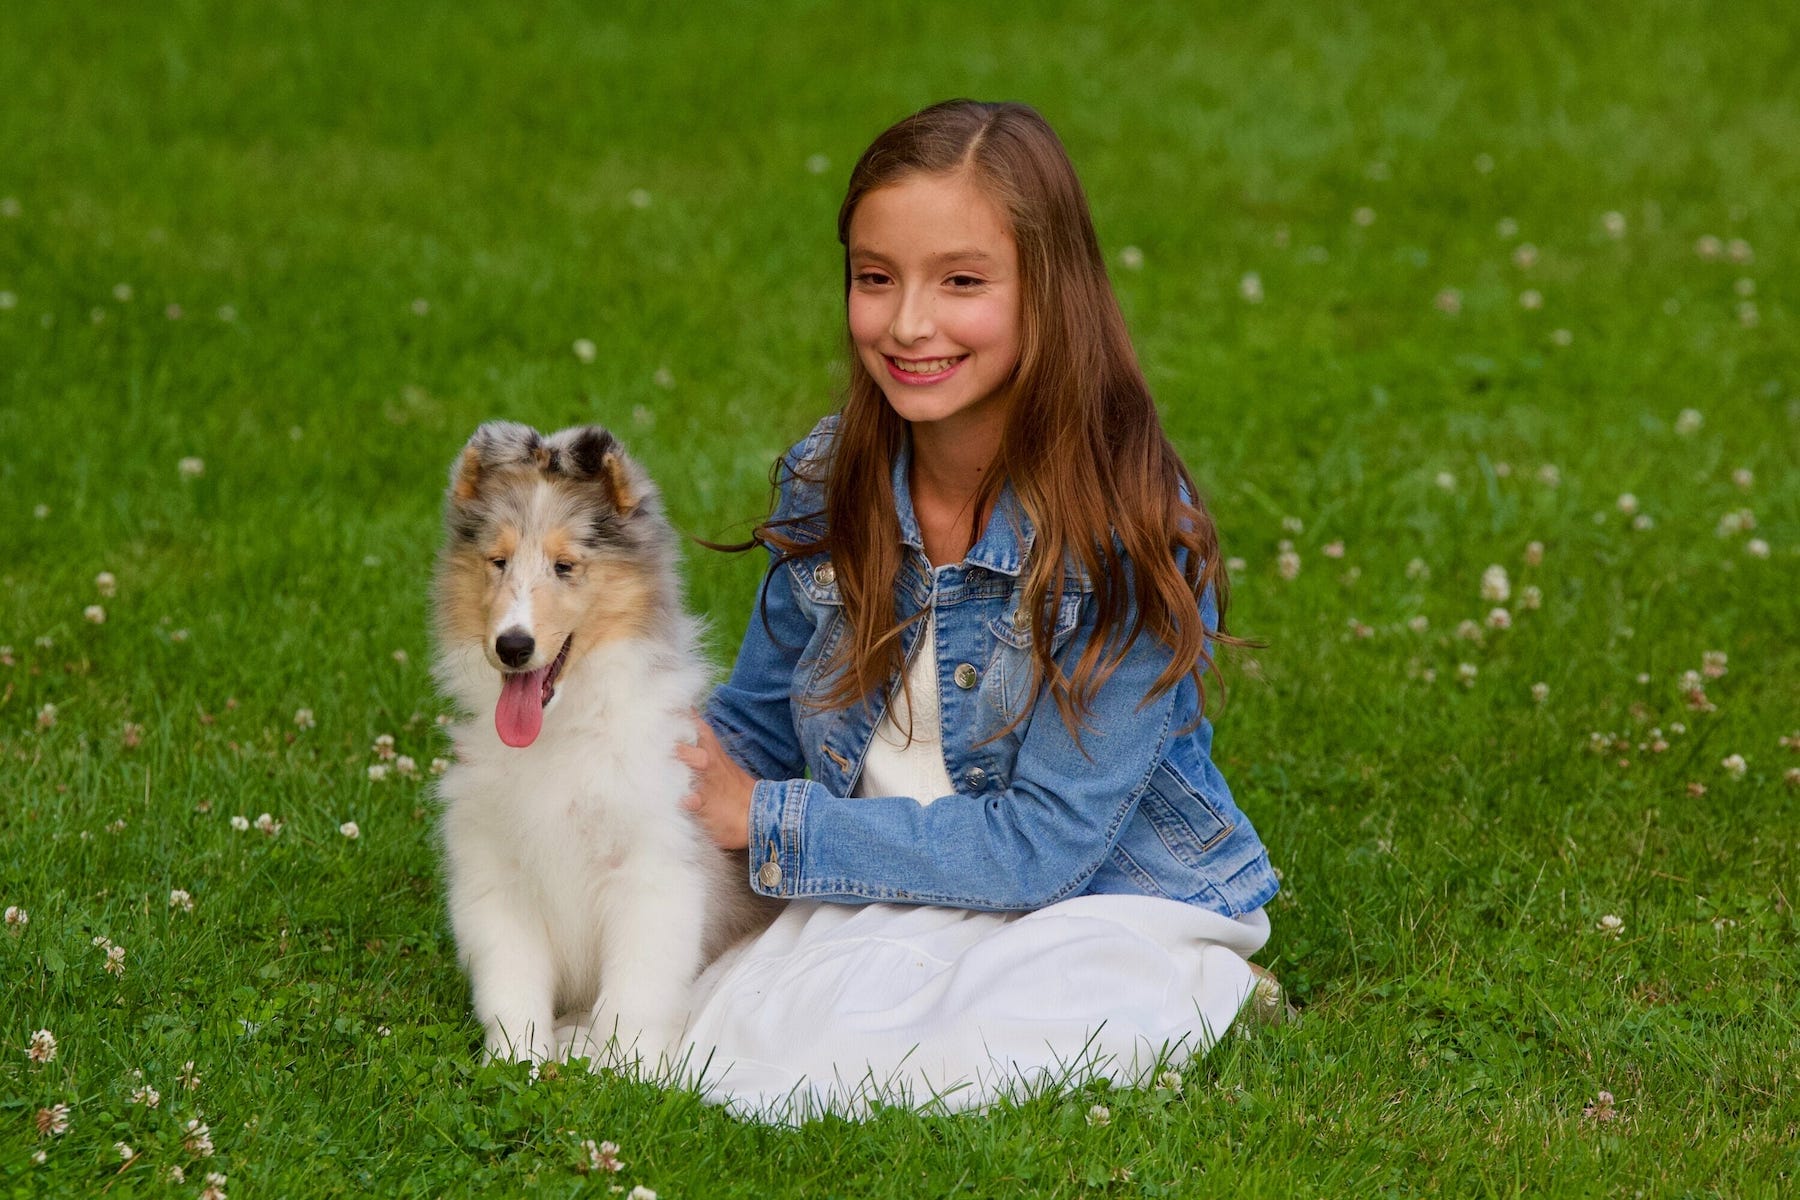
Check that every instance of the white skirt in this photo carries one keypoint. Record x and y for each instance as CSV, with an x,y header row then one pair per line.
x,y
837,1007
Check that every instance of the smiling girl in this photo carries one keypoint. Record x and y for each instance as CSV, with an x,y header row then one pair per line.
x,y
976,674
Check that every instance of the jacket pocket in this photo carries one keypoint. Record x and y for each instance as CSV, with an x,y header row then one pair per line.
x,y
1011,671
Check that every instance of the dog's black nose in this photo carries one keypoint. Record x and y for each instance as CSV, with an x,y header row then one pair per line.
x,y
514,648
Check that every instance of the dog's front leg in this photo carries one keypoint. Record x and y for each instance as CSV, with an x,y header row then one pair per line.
x,y
513,976
649,954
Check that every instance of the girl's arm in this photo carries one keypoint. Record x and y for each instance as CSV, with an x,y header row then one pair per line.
x,y
1036,840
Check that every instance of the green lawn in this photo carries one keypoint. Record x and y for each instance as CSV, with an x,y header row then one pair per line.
x,y
1415,291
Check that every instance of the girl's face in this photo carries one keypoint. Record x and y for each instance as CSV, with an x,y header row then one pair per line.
x,y
934,298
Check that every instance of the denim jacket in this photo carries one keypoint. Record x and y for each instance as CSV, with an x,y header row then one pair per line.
x,y
1137,807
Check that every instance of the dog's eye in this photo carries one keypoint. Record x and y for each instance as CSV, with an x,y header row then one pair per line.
x,y
564,570
499,564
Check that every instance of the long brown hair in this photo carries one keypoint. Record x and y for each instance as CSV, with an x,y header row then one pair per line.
x,y
1082,446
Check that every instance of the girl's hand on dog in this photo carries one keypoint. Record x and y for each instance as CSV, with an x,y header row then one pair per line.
x,y
720,800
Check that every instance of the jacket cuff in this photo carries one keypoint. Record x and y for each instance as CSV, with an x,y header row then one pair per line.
x,y
777,810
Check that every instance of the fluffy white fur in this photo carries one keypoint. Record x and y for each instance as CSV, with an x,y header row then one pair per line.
x,y
580,891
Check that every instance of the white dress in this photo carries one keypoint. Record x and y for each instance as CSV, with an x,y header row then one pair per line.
x,y
839,1006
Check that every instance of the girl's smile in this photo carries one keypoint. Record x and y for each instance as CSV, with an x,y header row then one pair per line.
x,y
934,299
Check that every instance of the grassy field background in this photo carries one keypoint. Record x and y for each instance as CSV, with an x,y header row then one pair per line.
x,y
1416,289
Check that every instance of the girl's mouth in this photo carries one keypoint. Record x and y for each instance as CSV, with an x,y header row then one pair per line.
x,y
923,370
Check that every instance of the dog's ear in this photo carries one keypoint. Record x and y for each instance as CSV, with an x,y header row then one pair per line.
x,y
591,453
496,444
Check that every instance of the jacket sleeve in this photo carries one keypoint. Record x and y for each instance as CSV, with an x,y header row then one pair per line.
x,y
1038,840
751,711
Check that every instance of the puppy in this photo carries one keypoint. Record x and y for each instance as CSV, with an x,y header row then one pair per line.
x,y
579,889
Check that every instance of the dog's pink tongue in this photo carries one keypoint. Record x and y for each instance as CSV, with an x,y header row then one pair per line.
x,y
520,714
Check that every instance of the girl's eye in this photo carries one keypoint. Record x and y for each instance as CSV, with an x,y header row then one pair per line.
x,y
964,281
499,564
564,570
872,278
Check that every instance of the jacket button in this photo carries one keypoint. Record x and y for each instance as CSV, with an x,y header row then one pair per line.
x,y
1021,619
770,875
825,574
967,676
976,778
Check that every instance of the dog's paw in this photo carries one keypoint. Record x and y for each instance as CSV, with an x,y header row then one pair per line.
x,y
527,1045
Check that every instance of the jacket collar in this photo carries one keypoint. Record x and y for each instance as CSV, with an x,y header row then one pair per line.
x,y
1004,543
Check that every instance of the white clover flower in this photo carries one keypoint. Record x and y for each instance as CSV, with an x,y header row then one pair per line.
x,y
1540,692
1332,549
191,467
1235,564
1734,765
1610,924
1170,1081
378,772
1642,522
106,584
94,614
53,1121
585,350
350,830
147,1096
187,1076
115,960
1614,224
1748,315
125,1152
1561,337
384,746
1250,287
197,1140
1099,1114
181,899
1445,480
1531,299
601,1156
42,1048
640,1192
1466,673
1484,163
439,766
1712,664
1417,568
303,718
1499,618
1287,564
1744,478
1468,631
1525,256
1418,623
240,823
663,378
638,198
1496,588
1627,503
16,918
1550,475
1506,228
817,164
1756,548
215,1186
400,656
1293,525
1689,421
1739,251
1531,597
1131,258
1448,301
420,306
1709,247
268,825
46,716
405,767
8,300
122,292
1364,216
1745,287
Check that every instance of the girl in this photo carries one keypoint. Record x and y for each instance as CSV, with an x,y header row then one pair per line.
x,y
975,677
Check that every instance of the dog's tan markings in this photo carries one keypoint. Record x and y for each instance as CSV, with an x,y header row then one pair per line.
x,y
560,547
468,475
619,487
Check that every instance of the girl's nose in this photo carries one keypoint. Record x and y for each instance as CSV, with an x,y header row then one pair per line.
x,y
912,319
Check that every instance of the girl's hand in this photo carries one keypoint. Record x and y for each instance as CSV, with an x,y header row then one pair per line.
x,y
720,800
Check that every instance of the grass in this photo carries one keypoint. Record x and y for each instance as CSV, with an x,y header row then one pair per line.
x,y
383,224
